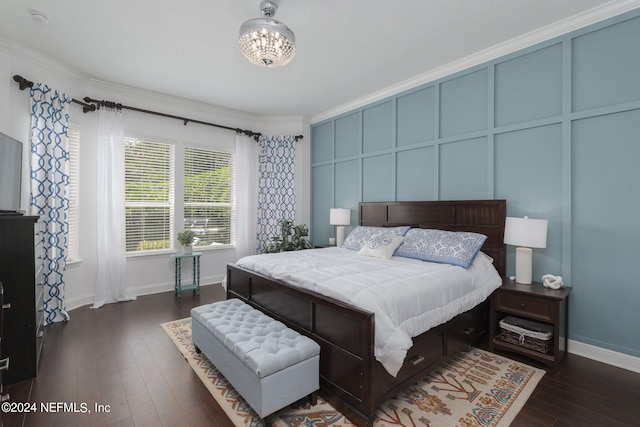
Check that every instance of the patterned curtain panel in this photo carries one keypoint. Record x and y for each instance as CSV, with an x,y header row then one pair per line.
x,y
49,190
276,196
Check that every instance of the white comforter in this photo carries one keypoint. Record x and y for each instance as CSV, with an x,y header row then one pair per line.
x,y
407,296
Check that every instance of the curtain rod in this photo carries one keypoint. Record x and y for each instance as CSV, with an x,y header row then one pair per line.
x,y
90,104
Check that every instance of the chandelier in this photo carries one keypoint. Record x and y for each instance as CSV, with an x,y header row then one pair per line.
x,y
265,41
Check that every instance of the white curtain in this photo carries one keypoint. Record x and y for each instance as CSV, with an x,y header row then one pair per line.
x,y
246,195
49,190
111,280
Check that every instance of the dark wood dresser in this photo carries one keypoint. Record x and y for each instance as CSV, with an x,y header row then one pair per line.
x,y
22,277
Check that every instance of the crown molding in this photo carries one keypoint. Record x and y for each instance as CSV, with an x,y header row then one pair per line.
x,y
565,26
39,59
144,98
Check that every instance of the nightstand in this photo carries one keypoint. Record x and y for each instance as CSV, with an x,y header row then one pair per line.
x,y
533,302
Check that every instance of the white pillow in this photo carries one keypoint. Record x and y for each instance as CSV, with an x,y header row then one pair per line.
x,y
381,246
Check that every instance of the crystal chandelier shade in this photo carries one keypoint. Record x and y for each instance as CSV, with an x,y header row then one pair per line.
x,y
267,42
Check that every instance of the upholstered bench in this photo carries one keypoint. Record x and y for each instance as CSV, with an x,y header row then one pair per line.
x,y
270,365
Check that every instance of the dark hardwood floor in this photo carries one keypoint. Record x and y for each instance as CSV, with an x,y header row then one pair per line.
x,y
119,356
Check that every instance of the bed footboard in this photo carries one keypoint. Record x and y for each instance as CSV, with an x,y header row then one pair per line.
x,y
345,333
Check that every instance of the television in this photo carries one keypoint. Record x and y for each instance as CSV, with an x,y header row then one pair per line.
x,y
10,174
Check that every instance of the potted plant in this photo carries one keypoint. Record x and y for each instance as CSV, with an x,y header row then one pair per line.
x,y
186,239
292,238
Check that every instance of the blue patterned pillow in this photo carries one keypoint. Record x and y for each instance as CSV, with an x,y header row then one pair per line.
x,y
446,247
362,234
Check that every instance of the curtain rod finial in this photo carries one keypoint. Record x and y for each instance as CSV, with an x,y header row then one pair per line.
x,y
24,83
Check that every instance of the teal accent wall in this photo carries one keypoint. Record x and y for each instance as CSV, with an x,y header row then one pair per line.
x,y
554,129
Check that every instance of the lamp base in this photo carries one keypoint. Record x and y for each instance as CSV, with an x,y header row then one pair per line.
x,y
339,235
524,260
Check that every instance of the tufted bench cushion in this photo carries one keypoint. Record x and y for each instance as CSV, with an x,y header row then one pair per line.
x,y
263,344
270,365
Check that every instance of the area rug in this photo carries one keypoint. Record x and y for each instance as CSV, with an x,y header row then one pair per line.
x,y
474,389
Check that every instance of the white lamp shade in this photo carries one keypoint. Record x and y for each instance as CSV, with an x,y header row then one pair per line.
x,y
526,232
338,216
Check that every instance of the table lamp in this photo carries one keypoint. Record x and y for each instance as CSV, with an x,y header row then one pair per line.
x,y
340,218
525,233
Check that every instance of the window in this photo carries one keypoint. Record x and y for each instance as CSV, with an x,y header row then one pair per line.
x,y
209,196
149,194
73,214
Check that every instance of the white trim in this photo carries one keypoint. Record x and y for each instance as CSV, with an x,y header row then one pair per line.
x,y
37,58
565,26
610,357
87,299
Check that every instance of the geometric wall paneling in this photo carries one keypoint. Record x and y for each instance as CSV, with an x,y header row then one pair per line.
x,y
377,178
529,87
463,170
528,169
347,184
415,117
321,202
415,175
348,136
322,148
606,71
553,129
377,124
464,104
605,230
528,173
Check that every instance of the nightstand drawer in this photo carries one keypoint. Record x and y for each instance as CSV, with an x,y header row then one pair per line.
x,y
526,305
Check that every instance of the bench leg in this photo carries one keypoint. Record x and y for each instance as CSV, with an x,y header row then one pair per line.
x,y
197,349
267,421
313,398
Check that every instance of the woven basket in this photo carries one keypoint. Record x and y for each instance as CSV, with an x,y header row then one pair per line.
x,y
526,333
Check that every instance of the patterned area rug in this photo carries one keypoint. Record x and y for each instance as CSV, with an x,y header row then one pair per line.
x,y
475,389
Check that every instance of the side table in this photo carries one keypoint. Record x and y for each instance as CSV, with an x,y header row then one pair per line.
x,y
195,285
534,302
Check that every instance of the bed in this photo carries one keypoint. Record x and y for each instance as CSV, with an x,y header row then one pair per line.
x,y
351,377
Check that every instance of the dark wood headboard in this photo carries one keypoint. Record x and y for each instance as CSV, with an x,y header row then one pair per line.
x,y
479,216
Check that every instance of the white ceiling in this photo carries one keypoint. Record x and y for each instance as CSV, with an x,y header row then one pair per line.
x,y
346,49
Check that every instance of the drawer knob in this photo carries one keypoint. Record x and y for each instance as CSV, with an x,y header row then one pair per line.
x,y
523,305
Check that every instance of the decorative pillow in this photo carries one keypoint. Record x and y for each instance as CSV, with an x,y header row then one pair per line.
x,y
446,247
381,246
361,235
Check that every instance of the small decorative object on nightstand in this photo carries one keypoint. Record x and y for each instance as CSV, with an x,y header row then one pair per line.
x,y
547,308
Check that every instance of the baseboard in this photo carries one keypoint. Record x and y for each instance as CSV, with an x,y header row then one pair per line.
x,y
87,299
610,357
